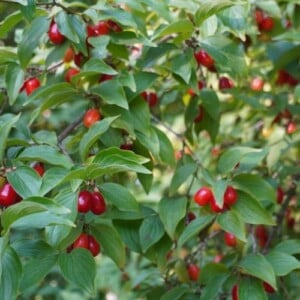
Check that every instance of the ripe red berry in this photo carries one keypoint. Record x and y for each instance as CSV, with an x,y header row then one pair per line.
x,y
101,28
54,34
126,146
230,239
267,24
69,55
257,84
84,201
98,205
93,245
82,241
279,195
150,97
215,207
39,167
190,217
235,292
204,59
91,117
225,83
79,59
193,272
218,258
70,73
291,127
203,196
8,195
200,115
201,85
230,196
268,288
105,77
31,85
261,234
114,26
259,16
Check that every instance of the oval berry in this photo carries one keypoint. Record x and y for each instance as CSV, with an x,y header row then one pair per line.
x,y
70,73
230,239
234,292
204,59
193,272
54,34
84,201
91,117
82,241
31,85
93,245
39,168
203,196
8,195
230,196
98,205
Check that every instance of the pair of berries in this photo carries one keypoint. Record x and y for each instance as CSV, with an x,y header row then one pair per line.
x,y
88,201
88,242
205,196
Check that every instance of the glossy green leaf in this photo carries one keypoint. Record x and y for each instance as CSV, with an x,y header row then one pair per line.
x,y
31,39
172,211
93,134
175,293
14,78
271,7
194,228
25,181
289,246
9,22
65,26
110,242
282,263
118,196
181,65
250,287
231,222
250,211
219,189
45,154
79,268
10,278
258,266
98,66
178,27
151,231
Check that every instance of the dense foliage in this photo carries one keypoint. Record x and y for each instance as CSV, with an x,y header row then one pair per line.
x,y
149,149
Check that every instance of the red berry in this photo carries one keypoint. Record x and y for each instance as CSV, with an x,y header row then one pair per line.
x,y
126,146
150,97
105,77
225,83
8,195
101,28
201,85
286,114
268,288
91,117
114,26
70,73
69,55
235,292
204,59
230,196
291,127
31,85
279,195
193,271
257,84
200,115
259,16
267,24
93,245
215,207
98,205
84,201
230,239
79,59
39,167
218,258
203,196
262,235
54,35
190,217
82,241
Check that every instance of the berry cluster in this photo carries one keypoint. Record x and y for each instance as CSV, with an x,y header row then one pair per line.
x,y
88,201
86,241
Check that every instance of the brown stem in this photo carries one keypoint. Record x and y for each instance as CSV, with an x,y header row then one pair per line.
x,y
69,129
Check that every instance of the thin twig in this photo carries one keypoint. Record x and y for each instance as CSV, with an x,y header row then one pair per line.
x,y
69,129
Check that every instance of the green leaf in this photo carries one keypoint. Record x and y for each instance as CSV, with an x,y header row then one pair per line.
x,y
47,154
65,26
231,222
32,274
181,65
25,181
114,160
5,127
110,241
179,27
229,56
219,189
175,293
10,278
172,211
112,92
209,8
282,263
270,7
251,211
143,81
97,66
9,22
118,196
32,248
31,39
151,231
93,135
14,78
182,173
166,150
258,266
234,155
255,186
289,247
193,229
250,287
7,57
79,268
